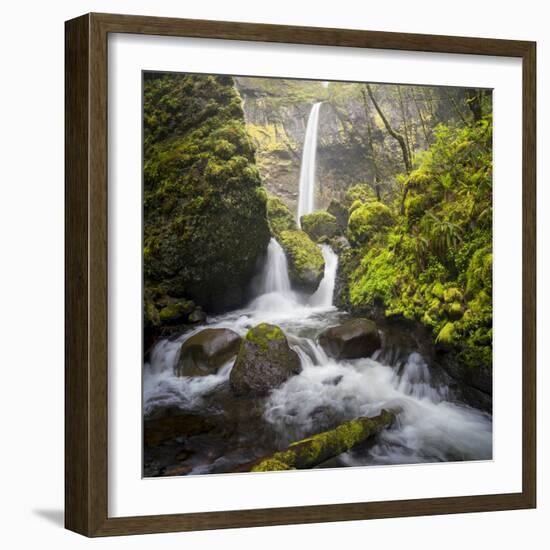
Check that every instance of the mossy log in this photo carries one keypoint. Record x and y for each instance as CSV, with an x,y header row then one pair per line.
x,y
318,448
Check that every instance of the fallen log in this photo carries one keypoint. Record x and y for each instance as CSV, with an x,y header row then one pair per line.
x,y
314,450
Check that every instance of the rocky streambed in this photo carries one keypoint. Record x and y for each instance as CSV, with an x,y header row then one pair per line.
x,y
250,383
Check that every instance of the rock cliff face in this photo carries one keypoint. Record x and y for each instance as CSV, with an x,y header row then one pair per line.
x,y
205,226
276,113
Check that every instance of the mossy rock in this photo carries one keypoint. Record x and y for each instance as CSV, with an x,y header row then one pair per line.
x,y
446,335
264,362
351,340
438,290
319,225
206,351
305,260
455,310
176,311
452,294
205,222
368,220
355,205
279,216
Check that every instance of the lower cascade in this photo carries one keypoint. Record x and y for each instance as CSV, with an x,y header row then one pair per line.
x,y
432,425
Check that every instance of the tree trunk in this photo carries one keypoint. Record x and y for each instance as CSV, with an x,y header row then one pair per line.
x,y
318,448
396,135
370,145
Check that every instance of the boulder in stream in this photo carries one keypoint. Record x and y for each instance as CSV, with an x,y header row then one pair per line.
x,y
351,340
264,362
306,265
206,351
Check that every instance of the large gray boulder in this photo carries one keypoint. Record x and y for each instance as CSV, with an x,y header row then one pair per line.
x,y
205,352
264,362
351,340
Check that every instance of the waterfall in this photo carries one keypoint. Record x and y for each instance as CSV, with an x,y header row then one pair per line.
x,y
275,274
324,294
306,198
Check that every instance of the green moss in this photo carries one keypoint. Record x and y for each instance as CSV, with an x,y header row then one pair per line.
x,y
205,224
271,465
479,275
176,311
264,333
455,310
306,263
151,314
279,216
314,450
452,294
368,220
356,204
375,279
438,290
446,334
319,225
360,192
433,261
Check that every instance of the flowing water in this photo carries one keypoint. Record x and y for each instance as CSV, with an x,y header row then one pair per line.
x,y
432,424
306,197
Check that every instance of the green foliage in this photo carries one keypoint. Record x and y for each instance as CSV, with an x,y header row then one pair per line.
x,y
320,225
279,216
434,262
369,219
360,192
204,208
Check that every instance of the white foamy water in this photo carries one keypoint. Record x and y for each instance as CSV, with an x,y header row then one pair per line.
x,y
324,294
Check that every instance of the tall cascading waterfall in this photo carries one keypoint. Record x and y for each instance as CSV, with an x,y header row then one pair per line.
x,y
306,198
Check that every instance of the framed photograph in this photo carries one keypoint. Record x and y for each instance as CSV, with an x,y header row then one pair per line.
x,y
300,275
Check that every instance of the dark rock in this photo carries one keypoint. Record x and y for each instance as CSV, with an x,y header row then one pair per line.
x,y
479,377
197,316
264,362
340,212
173,423
339,244
353,339
205,352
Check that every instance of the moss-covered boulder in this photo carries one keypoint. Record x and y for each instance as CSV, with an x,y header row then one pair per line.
x,y
305,260
367,220
320,225
351,340
205,225
264,362
279,216
206,351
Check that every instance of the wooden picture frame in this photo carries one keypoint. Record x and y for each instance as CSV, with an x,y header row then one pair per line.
x,y
86,283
